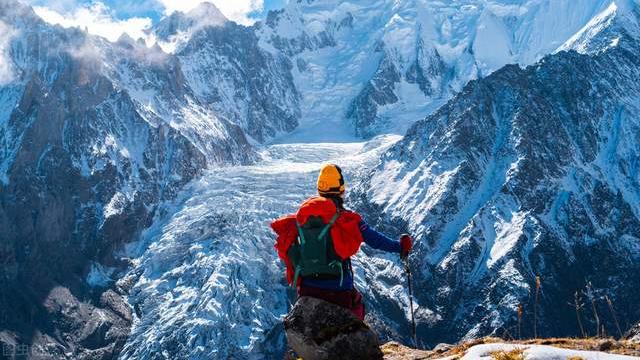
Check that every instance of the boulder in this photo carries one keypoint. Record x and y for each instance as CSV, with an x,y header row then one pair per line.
x,y
317,329
443,347
634,334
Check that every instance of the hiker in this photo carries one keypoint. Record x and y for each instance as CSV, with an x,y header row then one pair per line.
x,y
317,242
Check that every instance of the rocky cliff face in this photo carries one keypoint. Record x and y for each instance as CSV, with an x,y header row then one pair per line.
x,y
526,173
95,135
228,70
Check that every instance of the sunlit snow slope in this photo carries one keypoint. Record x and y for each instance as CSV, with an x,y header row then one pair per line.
x,y
379,65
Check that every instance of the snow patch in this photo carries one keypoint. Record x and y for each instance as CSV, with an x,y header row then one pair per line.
x,y
7,70
581,40
538,352
508,232
492,43
115,206
100,275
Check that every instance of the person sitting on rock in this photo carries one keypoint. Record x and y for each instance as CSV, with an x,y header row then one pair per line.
x,y
316,244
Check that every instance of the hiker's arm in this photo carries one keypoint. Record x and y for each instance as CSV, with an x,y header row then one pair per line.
x,y
377,240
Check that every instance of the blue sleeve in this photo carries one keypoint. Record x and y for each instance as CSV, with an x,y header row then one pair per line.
x,y
377,240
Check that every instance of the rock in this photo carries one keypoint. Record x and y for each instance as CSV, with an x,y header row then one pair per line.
x,y
317,329
443,347
116,303
92,332
607,345
633,334
395,351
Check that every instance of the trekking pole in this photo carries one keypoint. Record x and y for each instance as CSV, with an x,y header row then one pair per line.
x,y
413,320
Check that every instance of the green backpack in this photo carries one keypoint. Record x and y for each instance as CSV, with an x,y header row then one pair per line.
x,y
313,255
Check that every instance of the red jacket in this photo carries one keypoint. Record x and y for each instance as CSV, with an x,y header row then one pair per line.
x,y
345,232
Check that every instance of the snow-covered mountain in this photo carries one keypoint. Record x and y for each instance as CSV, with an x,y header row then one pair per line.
x,y
527,172
228,70
206,281
137,180
384,64
94,136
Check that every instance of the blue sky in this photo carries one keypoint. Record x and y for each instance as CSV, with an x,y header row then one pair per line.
x,y
111,18
128,8
154,9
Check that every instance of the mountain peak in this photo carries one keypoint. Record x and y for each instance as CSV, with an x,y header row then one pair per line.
x,y
11,10
207,10
204,15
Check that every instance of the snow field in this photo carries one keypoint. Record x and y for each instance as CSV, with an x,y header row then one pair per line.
x,y
538,352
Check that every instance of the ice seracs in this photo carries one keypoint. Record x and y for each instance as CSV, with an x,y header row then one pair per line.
x,y
384,64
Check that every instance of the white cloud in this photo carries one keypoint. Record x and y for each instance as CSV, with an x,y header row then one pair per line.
x,y
7,74
236,10
97,19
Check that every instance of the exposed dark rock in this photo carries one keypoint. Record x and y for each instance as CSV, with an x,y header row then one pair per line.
x,y
82,331
527,172
84,167
317,329
377,92
634,333
426,70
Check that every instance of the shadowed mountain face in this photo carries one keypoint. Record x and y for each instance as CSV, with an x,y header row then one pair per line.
x,y
94,136
228,70
528,172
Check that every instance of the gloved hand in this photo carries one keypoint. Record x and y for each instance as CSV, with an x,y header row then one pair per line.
x,y
406,243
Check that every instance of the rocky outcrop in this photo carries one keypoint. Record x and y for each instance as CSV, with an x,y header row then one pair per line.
x,y
633,334
427,71
228,71
525,173
379,91
94,136
83,330
318,330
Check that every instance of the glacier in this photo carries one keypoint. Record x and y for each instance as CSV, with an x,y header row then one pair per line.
x,y
206,273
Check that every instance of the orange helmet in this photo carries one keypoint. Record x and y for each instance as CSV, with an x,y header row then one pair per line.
x,y
330,180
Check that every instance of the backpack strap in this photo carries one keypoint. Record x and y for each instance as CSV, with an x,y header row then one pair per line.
x,y
300,233
324,231
323,234
297,274
338,264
